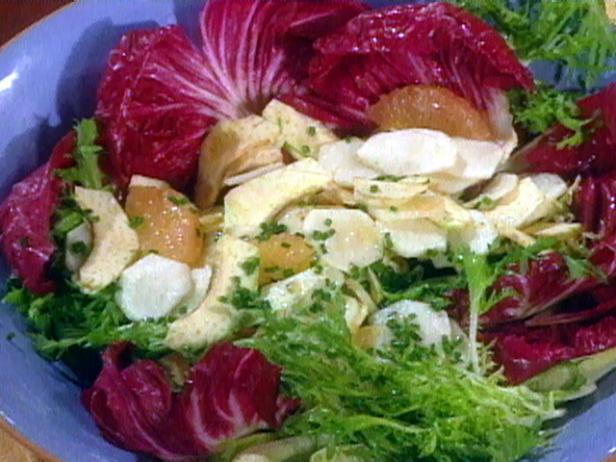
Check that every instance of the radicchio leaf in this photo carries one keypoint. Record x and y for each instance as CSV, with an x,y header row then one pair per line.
x,y
595,156
231,392
160,94
525,352
545,283
553,318
156,102
25,219
270,42
388,48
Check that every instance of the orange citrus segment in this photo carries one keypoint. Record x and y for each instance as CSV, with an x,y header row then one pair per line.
x,y
283,255
166,223
432,107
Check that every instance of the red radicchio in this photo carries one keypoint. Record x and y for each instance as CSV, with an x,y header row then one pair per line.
x,y
559,318
388,48
231,392
160,94
525,352
25,219
595,156
155,105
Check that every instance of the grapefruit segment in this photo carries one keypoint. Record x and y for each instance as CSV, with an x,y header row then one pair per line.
x,y
431,107
166,223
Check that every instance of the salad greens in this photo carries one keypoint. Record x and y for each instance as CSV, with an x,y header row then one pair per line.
x,y
407,402
539,111
87,171
70,318
575,33
396,397
480,277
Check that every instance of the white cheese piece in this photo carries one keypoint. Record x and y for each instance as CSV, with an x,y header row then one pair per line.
x,y
293,218
152,287
501,185
259,200
479,159
78,245
234,147
355,313
442,210
201,278
334,195
476,161
148,182
450,184
478,234
340,158
526,204
298,289
551,185
115,243
302,134
413,238
388,193
515,235
559,230
433,325
244,177
415,151
356,240
214,319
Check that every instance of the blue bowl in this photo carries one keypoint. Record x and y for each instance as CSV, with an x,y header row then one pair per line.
x,y
48,79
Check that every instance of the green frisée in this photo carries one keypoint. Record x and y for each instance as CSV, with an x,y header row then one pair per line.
x,y
402,402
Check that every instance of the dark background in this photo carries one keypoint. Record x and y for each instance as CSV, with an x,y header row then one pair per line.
x,y
16,15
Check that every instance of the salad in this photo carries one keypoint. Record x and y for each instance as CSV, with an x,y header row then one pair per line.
x,y
332,232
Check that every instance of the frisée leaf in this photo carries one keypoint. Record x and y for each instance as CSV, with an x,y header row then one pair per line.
x,y
86,171
539,111
69,318
422,407
575,33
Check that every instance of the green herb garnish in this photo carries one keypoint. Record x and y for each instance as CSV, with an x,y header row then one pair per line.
x,y
178,200
135,222
269,229
80,248
322,235
302,151
251,265
87,171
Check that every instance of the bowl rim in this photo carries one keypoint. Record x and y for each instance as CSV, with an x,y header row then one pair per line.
x,y
5,425
11,41
17,437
